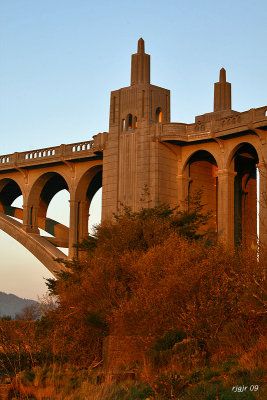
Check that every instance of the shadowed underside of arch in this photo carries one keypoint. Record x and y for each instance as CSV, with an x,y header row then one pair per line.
x,y
41,248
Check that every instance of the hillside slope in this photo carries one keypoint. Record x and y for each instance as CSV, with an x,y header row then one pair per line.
x,y
11,304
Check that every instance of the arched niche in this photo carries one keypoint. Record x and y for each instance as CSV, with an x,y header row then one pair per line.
x,y
129,122
159,115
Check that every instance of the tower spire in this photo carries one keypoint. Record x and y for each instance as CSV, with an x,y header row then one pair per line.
x,y
222,93
141,46
140,72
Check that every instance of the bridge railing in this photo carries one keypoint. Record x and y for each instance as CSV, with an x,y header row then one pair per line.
x,y
80,146
208,128
7,158
47,154
39,153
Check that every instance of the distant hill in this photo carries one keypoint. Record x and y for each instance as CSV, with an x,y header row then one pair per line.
x,y
11,304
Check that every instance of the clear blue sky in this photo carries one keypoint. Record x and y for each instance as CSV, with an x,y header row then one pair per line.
x,y
59,60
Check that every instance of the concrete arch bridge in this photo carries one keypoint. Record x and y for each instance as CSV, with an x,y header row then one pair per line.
x,y
223,152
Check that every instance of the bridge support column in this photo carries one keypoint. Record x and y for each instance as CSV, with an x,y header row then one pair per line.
x,y
225,211
262,167
78,225
30,219
84,216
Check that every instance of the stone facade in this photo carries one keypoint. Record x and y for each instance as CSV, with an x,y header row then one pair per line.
x,y
219,153
144,160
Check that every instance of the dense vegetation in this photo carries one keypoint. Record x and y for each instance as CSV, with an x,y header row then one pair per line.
x,y
198,305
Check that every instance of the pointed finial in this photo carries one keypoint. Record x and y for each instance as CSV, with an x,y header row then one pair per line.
x,y
141,46
222,75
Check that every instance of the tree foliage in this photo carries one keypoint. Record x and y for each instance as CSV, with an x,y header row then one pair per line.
x,y
149,272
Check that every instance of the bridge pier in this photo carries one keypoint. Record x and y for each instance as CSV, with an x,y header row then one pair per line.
x,y
74,228
182,190
78,225
30,219
225,215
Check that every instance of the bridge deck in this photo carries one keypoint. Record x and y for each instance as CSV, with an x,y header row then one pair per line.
x,y
206,127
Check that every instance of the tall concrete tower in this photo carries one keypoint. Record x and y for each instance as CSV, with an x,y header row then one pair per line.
x,y
132,171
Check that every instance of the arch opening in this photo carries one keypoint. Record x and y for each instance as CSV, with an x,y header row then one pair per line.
x,y
42,192
11,199
244,163
54,184
14,235
201,170
16,209
95,211
94,196
53,210
57,219
18,202
9,191
88,203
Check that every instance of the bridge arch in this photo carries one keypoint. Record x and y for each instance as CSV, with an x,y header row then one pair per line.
x,y
229,157
43,250
200,170
202,151
243,160
10,190
91,179
47,185
42,191
89,183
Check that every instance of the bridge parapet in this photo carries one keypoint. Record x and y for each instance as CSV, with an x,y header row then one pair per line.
x,y
242,120
209,126
39,153
5,159
53,154
81,146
